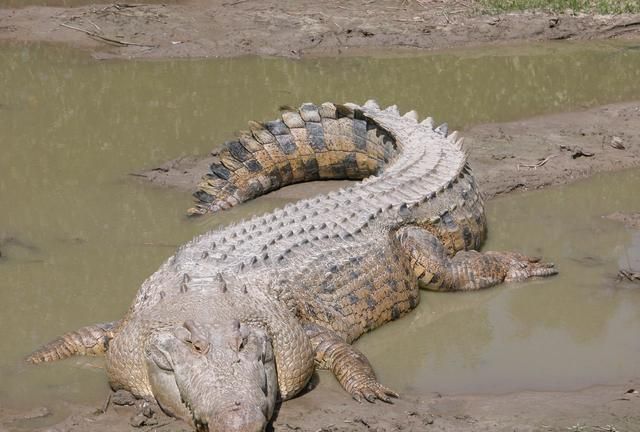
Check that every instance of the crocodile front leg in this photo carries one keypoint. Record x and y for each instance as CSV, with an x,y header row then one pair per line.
x,y
350,367
466,270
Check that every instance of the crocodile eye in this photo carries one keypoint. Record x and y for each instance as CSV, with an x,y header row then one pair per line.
x,y
200,347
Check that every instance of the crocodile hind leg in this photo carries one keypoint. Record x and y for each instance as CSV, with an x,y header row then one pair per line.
x,y
466,270
350,367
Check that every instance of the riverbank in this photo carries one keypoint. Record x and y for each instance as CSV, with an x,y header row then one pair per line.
x,y
329,409
227,28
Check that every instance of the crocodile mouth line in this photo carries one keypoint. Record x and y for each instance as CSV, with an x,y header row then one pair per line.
x,y
198,424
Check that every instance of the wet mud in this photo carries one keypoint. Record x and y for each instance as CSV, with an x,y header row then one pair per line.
x,y
630,220
601,408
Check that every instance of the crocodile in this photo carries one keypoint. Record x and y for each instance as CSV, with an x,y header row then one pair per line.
x,y
239,318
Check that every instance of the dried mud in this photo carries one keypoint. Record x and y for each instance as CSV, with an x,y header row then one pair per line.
x,y
227,28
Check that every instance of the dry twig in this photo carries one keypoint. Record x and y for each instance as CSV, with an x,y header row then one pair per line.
x,y
536,165
105,38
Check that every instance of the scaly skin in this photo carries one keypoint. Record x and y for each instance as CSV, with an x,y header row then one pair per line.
x,y
305,281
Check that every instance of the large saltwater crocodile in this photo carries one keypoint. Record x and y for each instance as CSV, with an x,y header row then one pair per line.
x,y
243,314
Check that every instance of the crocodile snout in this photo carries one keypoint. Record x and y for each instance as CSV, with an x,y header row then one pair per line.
x,y
239,419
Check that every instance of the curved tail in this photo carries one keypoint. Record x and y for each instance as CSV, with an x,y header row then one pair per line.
x,y
311,143
89,340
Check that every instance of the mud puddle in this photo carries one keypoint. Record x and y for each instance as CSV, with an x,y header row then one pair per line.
x,y
563,333
72,129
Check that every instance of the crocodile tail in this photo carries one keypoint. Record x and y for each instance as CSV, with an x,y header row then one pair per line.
x,y
314,142
89,340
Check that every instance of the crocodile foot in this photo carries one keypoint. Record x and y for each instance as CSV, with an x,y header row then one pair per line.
x,y
467,269
371,390
351,368
520,267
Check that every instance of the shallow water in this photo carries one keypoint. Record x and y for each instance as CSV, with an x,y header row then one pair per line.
x,y
78,235
571,331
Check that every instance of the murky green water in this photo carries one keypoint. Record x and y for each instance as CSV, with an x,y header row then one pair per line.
x,y
574,330
80,235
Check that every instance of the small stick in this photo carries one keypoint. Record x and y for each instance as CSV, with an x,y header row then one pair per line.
x,y
161,425
126,5
235,2
138,175
105,407
104,38
537,165
95,25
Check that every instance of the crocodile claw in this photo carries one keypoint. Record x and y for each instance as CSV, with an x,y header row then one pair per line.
x,y
371,391
522,267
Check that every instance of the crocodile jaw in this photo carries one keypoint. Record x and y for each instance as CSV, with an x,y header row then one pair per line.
x,y
217,377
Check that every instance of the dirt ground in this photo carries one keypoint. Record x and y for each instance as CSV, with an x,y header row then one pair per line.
x,y
522,155
328,409
294,28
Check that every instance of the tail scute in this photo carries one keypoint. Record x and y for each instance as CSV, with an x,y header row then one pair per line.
x,y
90,340
314,142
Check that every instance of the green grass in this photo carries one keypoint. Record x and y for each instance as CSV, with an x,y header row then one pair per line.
x,y
592,6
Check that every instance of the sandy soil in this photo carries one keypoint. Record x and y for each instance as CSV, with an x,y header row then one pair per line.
x,y
293,28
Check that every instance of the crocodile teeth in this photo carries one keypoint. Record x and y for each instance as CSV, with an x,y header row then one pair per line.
x,y
428,122
453,137
411,115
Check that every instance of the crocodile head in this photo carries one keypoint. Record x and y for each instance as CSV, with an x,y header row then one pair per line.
x,y
217,377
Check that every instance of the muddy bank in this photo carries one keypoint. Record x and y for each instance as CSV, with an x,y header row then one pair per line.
x,y
555,149
329,409
226,28
523,155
